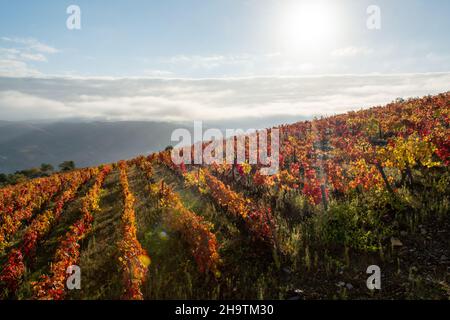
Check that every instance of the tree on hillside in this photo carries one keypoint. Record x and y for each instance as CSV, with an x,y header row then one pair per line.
x,y
29,173
67,166
3,179
47,168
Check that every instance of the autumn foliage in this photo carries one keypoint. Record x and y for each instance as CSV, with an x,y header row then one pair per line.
x,y
134,260
39,228
52,286
195,231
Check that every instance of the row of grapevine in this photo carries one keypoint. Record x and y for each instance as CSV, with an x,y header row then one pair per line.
x,y
195,231
52,286
14,197
39,228
134,260
25,201
259,221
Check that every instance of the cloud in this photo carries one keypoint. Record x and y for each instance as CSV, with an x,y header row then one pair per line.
x,y
207,99
32,44
33,57
158,73
349,52
16,68
208,61
359,59
436,58
15,61
24,104
243,64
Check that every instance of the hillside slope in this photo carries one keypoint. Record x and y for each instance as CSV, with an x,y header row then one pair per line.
x,y
353,190
24,145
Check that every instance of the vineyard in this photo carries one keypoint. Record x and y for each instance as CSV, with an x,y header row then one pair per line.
x,y
369,187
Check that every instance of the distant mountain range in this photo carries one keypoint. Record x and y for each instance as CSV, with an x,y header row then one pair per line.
x,y
28,144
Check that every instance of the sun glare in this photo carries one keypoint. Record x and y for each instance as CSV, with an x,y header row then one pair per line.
x,y
306,25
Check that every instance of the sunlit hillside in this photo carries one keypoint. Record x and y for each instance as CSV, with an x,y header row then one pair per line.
x,y
364,188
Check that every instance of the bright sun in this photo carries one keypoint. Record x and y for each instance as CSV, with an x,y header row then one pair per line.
x,y
306,25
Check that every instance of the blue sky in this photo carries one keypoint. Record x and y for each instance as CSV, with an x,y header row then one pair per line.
x,y
213,40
